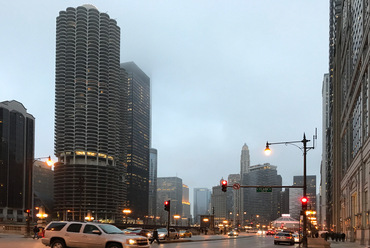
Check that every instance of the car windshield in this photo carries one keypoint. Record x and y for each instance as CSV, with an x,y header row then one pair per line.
x,y
162,230
110,229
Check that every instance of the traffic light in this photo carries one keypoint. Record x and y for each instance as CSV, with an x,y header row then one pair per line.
x,y
304,201
167,205
224,185
27,211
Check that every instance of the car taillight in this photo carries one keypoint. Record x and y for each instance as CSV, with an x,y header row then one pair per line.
x,y
43,233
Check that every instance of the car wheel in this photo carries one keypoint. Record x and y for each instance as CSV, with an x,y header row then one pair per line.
x,y
58,243
114,245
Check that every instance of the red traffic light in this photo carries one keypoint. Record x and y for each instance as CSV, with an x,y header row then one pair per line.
x,y
27,211
167,205
224,185
304,200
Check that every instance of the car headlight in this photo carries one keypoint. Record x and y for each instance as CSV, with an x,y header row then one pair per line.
x,y
131,242
161,235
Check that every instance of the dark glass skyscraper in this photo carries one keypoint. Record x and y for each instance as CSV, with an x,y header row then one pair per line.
x,y
138,130
89,116
17,133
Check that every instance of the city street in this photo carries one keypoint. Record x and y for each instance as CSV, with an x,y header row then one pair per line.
x,y
11,241
203,241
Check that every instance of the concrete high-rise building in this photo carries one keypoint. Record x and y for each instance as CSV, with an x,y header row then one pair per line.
x,y
295,204
152,207
264,205
17,136
201,203
138,120
169,188
310,190
236,211
89,116
324,161
335,13
43,186
221,205
244,160
348,157
186,216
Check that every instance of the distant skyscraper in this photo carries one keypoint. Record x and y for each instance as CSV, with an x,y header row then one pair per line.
x,y
138,119
295,204
43,186
244,160
237,212
152,207
201,204
185,206
324,162
17,136
265,205
311,189
169,188
221,204
89,116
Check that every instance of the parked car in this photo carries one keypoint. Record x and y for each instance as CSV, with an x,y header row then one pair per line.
x,y
170,234
283,237
63,234
185,234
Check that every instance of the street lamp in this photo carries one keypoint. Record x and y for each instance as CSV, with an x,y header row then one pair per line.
x,y
304,149
30,194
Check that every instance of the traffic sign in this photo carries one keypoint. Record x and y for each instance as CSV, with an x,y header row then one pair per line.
x,y
263,189
236,186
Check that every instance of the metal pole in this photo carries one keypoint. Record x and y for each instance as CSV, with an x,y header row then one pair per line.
x,y
304,206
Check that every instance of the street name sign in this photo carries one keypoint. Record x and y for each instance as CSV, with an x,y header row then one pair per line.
x,y
263,189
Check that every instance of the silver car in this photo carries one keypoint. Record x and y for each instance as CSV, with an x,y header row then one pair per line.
x,y
60,234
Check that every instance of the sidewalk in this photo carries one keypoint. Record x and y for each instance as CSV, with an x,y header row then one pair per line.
x,y
346,244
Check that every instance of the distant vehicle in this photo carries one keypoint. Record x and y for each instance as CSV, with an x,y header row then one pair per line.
x,y
270,232
132,230
283,237
63,234
233,233
185,234
170,234
145,233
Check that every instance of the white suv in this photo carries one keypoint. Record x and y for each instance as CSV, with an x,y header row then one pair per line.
x,y
62,234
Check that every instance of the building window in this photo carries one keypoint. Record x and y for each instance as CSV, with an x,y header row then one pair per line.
x,y
356,127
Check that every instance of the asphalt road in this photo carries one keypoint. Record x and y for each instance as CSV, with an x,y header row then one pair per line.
x,y
240,242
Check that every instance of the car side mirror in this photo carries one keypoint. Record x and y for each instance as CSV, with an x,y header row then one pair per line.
x,y
96,232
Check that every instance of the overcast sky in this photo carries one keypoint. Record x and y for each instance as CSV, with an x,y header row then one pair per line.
x,y
223,73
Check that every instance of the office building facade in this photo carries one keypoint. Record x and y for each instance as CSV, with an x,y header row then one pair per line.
x,y
349,114
310,189
201,203
169,189
17,134
185,216
152,207
138,134
89,116
265,205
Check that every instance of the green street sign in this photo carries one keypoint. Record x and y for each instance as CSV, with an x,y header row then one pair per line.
x,y
264,189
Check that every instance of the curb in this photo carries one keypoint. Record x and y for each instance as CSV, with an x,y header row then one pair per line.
x,y
202,240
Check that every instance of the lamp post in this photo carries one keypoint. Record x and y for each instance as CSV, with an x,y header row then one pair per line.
x,y
304,149
30,194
